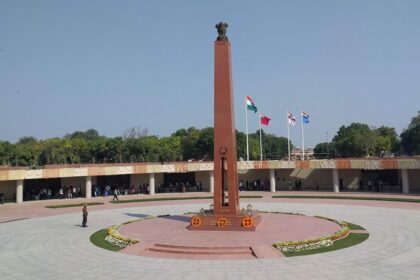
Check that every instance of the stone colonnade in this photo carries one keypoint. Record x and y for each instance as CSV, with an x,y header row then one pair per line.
x,y
335,179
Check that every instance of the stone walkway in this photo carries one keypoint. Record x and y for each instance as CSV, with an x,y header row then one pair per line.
x,y
52,245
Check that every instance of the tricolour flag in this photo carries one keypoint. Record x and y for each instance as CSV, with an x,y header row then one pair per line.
x,y
305,117
264,119
250,104
291,119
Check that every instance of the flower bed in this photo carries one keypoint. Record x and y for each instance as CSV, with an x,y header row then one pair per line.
x,y
310,244
115,238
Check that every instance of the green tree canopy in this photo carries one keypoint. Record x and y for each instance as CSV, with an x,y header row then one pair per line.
x,y
359,140
410,137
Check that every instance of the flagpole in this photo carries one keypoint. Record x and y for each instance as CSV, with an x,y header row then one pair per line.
x,y
261,155
246,124
303,137
288,133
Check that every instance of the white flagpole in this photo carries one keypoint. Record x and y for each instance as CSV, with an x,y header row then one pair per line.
x,y
261,155
246,123
303,137
288,133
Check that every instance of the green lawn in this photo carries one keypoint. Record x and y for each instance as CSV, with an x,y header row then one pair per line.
x,y
160,199
73,205
98,238
176,198
395,199
351,240
250,196
355,227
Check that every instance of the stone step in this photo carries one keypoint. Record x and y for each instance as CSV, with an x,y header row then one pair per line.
x,y
190,250
266,252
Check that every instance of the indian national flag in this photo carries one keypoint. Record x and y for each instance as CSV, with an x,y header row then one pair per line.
x,y
250,104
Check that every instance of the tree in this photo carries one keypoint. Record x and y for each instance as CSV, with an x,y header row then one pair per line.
x,y
189,144
169,149
88,135
386,141
51,152
241,145
113,150
135,132
325,150
7,153
274,147
410,137
205,144
355,140
27,151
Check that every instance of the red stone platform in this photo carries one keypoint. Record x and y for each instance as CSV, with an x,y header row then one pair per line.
x,y
168,237
232,222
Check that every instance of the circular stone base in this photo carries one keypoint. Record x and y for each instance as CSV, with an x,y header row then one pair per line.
x,y
168,237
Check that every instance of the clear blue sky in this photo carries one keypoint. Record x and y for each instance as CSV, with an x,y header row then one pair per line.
x,y
112,65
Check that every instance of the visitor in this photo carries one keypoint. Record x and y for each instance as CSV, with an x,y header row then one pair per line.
x,y
380,186
69,194
79,191
115,194
370,185
131,190
107,190
85,215
241,186
61,192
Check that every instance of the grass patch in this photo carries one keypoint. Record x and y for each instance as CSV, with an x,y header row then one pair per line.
x,y
351,240
98,238
176,198
393,199
72,205
160,199
355,227
250,196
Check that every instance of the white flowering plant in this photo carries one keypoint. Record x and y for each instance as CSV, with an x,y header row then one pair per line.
x,y
310,244
115,238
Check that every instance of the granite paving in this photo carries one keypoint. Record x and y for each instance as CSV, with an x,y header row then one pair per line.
x,y
57,247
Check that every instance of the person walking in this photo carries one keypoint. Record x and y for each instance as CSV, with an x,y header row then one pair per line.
x,y
85,215
115,194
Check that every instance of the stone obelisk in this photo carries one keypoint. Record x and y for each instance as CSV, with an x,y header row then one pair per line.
x,y
225,173
226,214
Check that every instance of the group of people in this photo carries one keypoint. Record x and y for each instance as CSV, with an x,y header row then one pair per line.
x,y
376,185
40,193
107,190
298,185
254,185
181,186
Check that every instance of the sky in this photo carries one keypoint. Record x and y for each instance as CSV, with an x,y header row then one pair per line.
x,y
113,65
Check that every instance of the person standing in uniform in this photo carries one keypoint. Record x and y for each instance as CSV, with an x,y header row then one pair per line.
x,y
85,215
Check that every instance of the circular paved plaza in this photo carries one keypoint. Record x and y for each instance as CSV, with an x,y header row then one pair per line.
x,y
57,247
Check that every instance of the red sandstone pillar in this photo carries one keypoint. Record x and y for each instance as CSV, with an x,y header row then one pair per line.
x,y
225,162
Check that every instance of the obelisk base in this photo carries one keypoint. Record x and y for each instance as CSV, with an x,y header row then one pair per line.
x,y
225,222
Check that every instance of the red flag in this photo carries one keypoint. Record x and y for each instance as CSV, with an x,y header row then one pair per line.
x,y
264,119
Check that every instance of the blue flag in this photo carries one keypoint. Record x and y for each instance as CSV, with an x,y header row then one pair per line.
x,y
305,117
